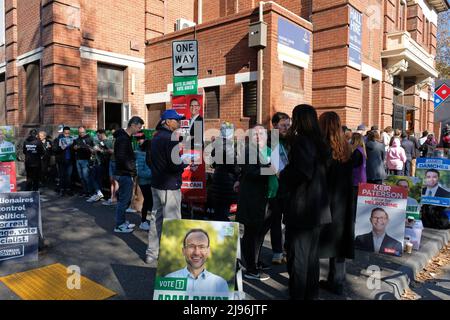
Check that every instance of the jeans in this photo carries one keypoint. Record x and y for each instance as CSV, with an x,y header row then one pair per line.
x,y
407,168
124,198
65,173
166,205
85,175
148,200
97,177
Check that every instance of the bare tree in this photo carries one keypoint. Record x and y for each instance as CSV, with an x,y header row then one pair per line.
x,y
443,45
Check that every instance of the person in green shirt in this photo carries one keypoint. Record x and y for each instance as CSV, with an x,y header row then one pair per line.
x,y
258,183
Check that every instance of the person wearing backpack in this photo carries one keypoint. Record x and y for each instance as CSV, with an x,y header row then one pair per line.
x,y
144,175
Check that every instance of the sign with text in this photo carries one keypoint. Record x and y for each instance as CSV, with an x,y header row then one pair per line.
x,y
185,86
185,58
294,43
355,31
7,146
19,225
8,177
414,187
380,218
435,174
197,260
194,176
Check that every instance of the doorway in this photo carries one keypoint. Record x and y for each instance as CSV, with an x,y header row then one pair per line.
x,y
113,114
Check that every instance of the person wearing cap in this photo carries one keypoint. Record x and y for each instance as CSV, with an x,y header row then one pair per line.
x,y
167,167
361,129
125,171
33,151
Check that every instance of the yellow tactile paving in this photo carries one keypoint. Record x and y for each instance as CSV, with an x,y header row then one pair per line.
x,y
50,283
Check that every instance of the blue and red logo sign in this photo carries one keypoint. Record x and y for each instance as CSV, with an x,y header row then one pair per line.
x,y
440,95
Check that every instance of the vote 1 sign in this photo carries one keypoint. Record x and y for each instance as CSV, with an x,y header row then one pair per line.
x,y
19,226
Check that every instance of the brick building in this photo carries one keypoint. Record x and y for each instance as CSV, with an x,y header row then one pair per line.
x,y
371,61
96,62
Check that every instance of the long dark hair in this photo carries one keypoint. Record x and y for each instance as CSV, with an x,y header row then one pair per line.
x,y
330,123
306,124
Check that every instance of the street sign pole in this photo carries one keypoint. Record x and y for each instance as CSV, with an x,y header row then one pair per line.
x,y
185,67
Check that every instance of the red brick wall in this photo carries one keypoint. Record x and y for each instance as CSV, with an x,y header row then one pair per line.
x,y
214,9
223,49
161,16
28,23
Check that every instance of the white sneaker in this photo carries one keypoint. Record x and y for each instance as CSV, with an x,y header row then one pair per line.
x,y
108,203
144,226
96,197
123,228
130,210
130,225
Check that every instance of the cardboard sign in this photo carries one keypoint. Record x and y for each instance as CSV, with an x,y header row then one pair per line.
x,y
414,187
7,144
8,177
193,185
380,219
435,175
19,226
197,260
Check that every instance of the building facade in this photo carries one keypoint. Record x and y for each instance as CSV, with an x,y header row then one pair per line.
x,y
96,62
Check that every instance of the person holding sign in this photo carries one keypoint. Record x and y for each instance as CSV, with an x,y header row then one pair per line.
x,y
433,189
378,240
196,251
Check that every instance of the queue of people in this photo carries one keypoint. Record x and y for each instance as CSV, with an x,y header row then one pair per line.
x,y
306,180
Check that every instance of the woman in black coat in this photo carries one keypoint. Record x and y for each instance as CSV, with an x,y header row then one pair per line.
x,y
256,187
226,173
337,238
376,155
308,206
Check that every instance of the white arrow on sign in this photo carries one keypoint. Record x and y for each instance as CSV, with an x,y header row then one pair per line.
x,y
185,58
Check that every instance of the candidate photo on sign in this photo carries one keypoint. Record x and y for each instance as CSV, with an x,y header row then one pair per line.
x,y
377,240
432,186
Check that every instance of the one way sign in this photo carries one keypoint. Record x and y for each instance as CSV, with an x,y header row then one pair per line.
x,y
184,58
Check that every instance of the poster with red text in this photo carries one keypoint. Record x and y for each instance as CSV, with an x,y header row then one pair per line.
x,y
8,177
193,185
380,218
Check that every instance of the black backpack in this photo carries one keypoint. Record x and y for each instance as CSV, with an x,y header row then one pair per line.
x,y
435,217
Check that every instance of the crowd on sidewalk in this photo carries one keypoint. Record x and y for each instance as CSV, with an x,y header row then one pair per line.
x,y
302,187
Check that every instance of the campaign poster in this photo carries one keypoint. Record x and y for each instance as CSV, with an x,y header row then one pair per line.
x,y
435,174
8,177
193,185
380,218
19,225
7,144
197,260
414,187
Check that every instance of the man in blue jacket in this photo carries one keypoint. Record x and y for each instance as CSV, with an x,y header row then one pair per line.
x,y
167,167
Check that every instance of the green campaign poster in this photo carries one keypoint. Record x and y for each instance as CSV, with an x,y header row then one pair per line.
x,y
184,85
7,144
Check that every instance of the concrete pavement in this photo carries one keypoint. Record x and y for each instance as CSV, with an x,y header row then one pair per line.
x,y
82,234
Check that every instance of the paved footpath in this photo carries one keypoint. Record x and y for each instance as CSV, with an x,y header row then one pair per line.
x,y
82,234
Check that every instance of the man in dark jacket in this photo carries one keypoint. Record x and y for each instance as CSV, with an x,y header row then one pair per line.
x,y
125,171
45,160
33,151
82,147
62,147
167,168
378,240
410,151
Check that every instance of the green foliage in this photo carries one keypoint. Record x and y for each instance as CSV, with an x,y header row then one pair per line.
x,y
222,259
